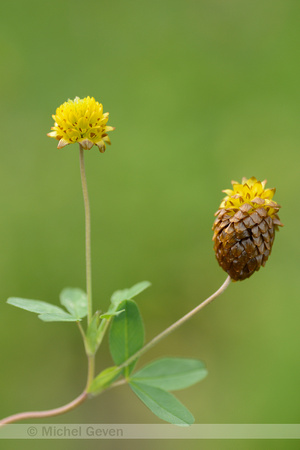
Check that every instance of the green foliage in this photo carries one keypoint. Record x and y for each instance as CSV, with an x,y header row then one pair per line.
x,y
62,317
126,335
74,300
96,330
46,311
128,294
109,315
171,373
152,383
104,379
163,404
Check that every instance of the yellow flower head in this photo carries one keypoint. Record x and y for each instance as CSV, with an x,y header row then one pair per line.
x,y
81,121
252,193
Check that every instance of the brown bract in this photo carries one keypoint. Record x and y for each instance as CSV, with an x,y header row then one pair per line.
x,y
243,238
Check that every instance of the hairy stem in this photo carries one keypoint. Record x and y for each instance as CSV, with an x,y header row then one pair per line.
x,y
177,324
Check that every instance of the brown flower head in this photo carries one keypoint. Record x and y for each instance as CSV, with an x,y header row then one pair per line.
x,y
244,229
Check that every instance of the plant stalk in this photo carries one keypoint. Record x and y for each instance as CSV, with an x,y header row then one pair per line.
x,y
91,358
48,413
87,235
175,325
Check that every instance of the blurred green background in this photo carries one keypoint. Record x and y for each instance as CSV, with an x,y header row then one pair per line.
x,y
200,92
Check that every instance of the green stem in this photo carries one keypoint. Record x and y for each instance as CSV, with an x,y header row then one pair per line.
x,y
91,358
91,370
87,235
81,332
175,325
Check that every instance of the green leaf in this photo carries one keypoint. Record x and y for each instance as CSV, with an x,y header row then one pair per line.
x,y
138,288
163,404
128,294
46,311
171,373
109,315
58,318
75,301
126,335
104,379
